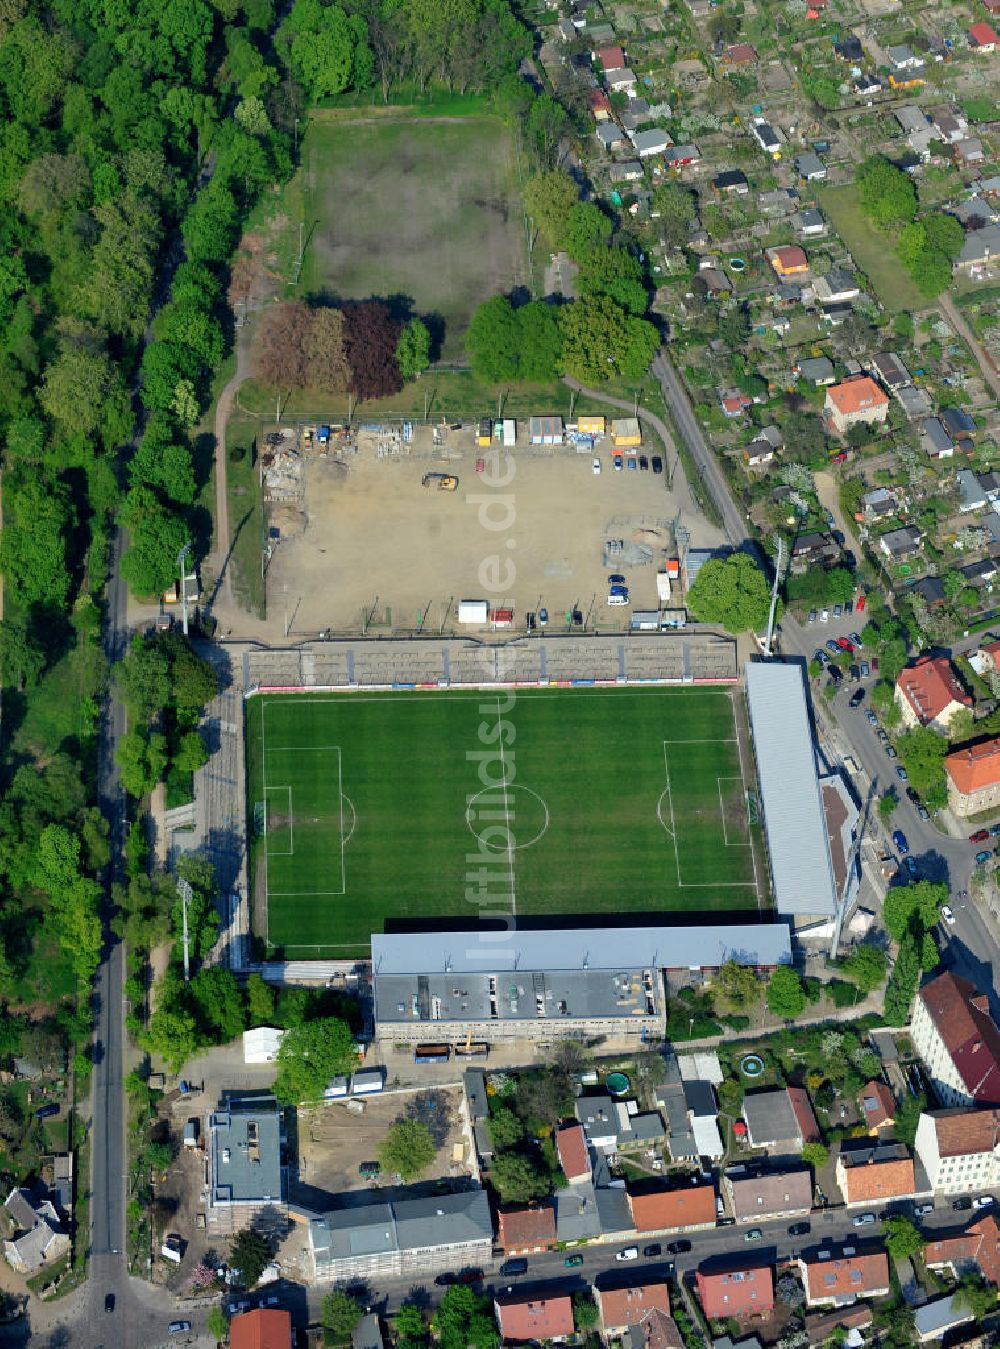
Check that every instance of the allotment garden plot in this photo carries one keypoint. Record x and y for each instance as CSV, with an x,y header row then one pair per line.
x,y
371,808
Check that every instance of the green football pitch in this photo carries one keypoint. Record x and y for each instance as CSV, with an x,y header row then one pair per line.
x,y
373,807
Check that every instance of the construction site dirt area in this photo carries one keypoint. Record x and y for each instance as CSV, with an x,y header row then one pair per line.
x,y
374,534
337,1138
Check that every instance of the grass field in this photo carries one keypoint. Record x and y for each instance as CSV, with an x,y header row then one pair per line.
x,y
399,203
369,808
871,250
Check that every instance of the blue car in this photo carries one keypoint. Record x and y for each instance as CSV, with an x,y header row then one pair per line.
x,y
899,839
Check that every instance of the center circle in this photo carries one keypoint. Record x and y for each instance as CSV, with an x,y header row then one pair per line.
x,y
507,819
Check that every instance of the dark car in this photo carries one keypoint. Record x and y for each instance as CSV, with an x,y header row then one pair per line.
x,y
643,462
982,858
109,1302
679,1247
821,657
657,463
655,1249
47,1111
902,774
857,697
515,1266
443,1280
616,579
962,1204
470,1275
178,1327
911,866
899,839
799,1230
833,647
980,836
835,675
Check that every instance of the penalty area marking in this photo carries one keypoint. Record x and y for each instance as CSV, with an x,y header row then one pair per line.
x,y
740,842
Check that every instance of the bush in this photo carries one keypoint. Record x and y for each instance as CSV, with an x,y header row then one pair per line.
x,y
735,1022
842,993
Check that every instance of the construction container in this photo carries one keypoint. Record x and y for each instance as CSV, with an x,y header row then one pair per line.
x,y
473,612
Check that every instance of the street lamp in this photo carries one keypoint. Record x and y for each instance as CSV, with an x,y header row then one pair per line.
x,y
296,138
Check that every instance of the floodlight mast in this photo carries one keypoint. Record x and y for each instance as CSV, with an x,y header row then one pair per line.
x,y
774,596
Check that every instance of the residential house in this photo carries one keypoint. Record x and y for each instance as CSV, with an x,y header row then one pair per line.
x,y
954,1034
766,136
867,85
656,1330
890,371
683,1209
981,573
855,401
735,404
778,201
681,156
854,1320
837,287
599,1119
971,496
534,1318
244,1157
732,182
703,1115
877,505
627,171
969,152
740,54
935,440
600,105
977,1249
571,1147
983,38
367,1334
905,68
900,544
610,136
769,1194
523,1231
811,549
875,1173
737,1292
268,1328
959,1149
935,1319
649,143
914,402
841,1275
810,167
958,423
878,1106
635,114
610,58
810,223
817,370
950,126
714,281
476,1100
788,261
780,1120
39,1238
849,49
979,248
973,775
992,6
761,449
402,1238
931,590
929,694
620,81
975,213
621,1308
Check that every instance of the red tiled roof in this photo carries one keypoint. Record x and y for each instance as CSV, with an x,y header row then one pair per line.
x,y
264,1328
980,1242
535,1318
660,1210
930,686
572,1149
659,1331
854,395
983,35
789,258
965,1133
878,1105
841,1277
611,58
740,1292
742,54
627,1306
893,1179
963,1021
798,1098
974,766
525,1229
599,101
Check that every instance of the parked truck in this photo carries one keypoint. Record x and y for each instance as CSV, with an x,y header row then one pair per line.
x,y
446,482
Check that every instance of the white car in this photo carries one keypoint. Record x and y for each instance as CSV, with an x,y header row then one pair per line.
x,y
983,1201
947,914
596,467
864,1219
825,616
629,1253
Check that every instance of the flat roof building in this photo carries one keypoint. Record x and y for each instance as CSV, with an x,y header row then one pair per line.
x,y
795,824
244,1148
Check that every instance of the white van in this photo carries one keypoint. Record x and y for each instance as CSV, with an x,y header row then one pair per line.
x,y
615,600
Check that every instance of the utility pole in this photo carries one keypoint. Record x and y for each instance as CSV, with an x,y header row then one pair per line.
x,y
181,561
296,138
186,894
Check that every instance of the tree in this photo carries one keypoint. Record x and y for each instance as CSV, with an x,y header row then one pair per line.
x,y
250,1254
785,995
340,1313
493,341
326,49
371,335
326,358
731,591
411,1328
310,1055
815,1155
739,985
218,1002
615,272
903,982
979,1297
407,1148
675,208
156,537
585,1313
548,198
142,760
887,804
81,386
902,1238
282,345
171,1035
37,521
539,340
22,660
194,680
922,753
191,752
866,966
913,908
886,193
413,350
518,1178
217,1323
908,1114
506,1130
143,679
600,340
587,226
464,1320
260,1002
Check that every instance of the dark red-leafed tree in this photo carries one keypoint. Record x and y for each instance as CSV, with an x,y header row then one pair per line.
x,y
281,349
370,338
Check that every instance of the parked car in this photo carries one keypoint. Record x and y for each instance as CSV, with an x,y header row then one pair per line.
x,y
812,616
650,1251
911,866
595,466
844,644
755,1234
573,1261
643,462
849,607
856,638
629,1253
871,717
838,609
835,675
616,460
822,657
982,858
901,772
543,617
833,647
824,616
616,579
995,831
865,671
922,811
109,1302
631,463
922,1210
890,751
980,836
443,1280
864,1219
679,1247
511,1268
470,1275
857,697
899,841
657,463
948,914
983,1201
860,603
180,1327
962,1204
799,1230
